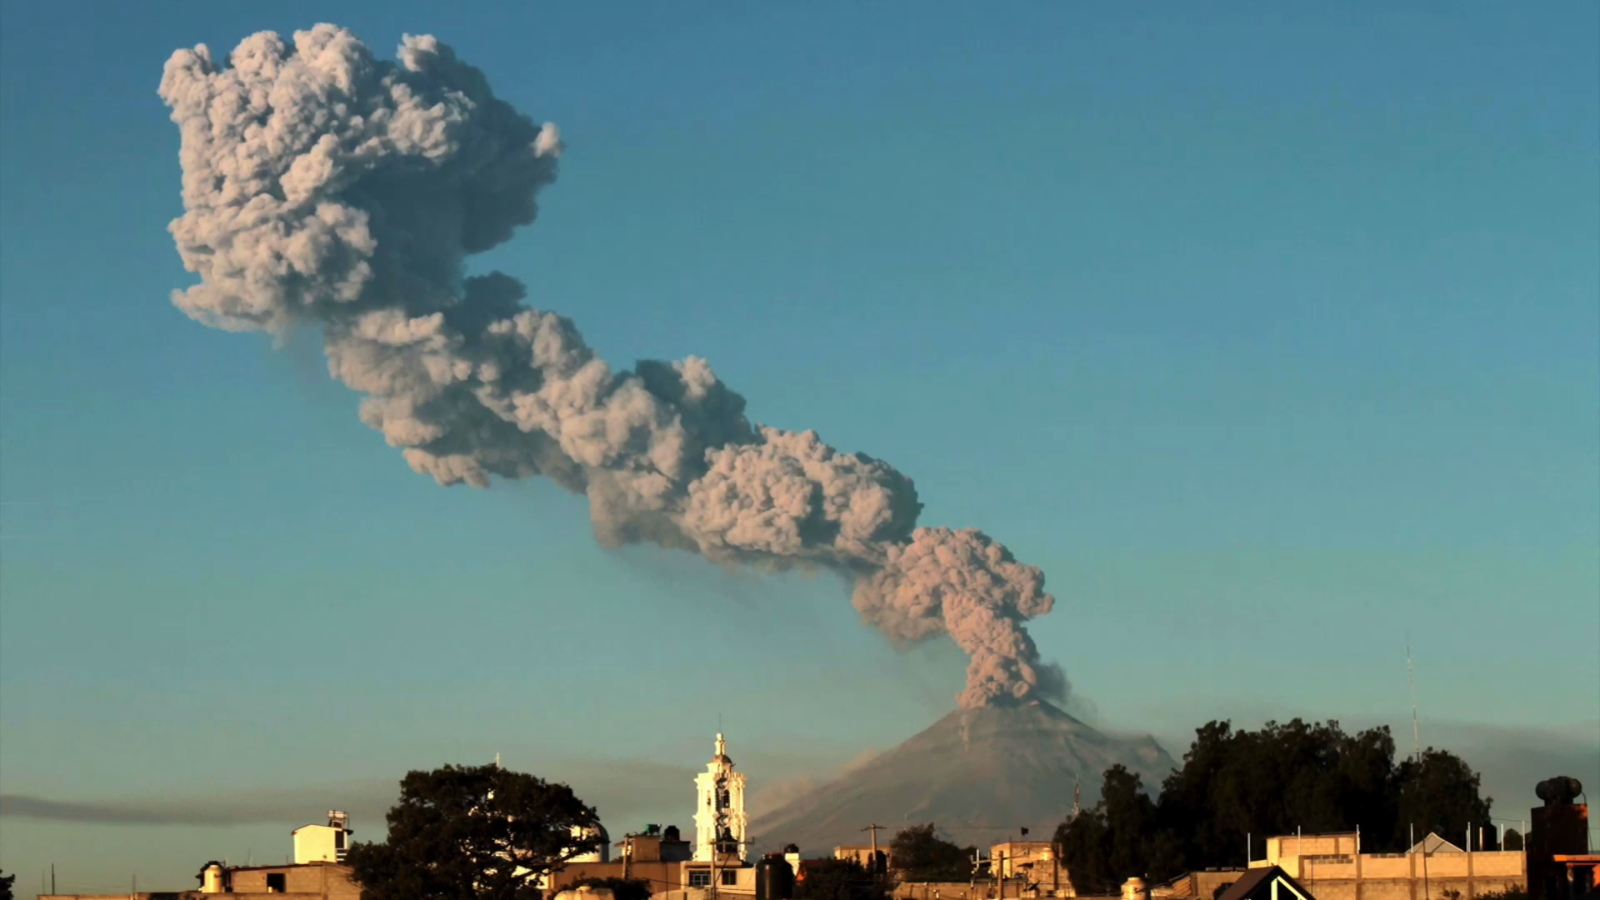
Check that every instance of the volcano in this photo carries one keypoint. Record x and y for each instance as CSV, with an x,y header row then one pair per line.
x,y
978,774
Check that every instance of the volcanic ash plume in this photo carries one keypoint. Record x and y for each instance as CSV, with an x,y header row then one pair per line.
x,y
323,186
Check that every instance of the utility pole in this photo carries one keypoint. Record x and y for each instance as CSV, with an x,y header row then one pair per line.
x,y
874,829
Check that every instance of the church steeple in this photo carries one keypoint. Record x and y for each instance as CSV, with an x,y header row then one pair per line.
x,y
719,817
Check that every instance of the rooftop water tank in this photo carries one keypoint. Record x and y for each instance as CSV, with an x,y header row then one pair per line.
x,y
774,878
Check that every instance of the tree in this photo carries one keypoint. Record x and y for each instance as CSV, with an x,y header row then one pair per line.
x,y
620,888
1439,793
1276,780
479,832
836,879
1103,846
1273,781
1513,840
1130,823
5,885
1082,842
922,856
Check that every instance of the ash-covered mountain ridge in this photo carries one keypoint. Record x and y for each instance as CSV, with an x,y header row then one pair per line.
x,y
978,774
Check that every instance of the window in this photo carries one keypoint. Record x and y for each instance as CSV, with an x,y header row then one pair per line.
x,y
730,877
700,878
338,840
276,882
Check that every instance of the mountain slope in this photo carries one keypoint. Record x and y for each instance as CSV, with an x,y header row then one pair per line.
x,y
979,774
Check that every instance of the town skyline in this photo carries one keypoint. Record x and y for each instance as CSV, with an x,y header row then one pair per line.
x,y
1275,364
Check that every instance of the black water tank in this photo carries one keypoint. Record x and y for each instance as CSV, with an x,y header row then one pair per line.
x,y
774,879
1558,791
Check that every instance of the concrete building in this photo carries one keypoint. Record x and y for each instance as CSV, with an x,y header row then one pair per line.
x,y
1017,869
302,881
667,864
596,837
317,872
1033,861
1206,884
1561,865
329,881
861,854
1332,867
323,843
656,857
717,861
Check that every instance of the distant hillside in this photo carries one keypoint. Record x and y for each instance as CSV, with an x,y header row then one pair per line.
x,y
978,774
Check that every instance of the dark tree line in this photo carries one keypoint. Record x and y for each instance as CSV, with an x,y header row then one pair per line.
x,y
1267,782
921,856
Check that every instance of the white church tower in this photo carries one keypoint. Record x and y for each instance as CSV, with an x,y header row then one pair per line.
x,y
719,816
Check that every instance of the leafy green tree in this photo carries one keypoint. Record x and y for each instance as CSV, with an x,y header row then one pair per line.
x,y
1130,822
1439,793
921,856
1513,840
1082,842
5,885
1107,844
836,879
1281,778
620,888
478,832
1275,780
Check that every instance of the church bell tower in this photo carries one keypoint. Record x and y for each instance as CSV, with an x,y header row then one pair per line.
x,y
719,817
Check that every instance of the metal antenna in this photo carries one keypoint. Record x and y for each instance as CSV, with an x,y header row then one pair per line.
x,y
1416,731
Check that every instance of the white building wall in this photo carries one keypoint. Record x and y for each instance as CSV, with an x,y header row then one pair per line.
x,y
317,843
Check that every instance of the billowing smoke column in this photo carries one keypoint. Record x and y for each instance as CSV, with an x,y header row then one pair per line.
x,y
324,186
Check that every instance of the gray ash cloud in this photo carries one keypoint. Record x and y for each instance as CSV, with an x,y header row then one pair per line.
x,y
324,186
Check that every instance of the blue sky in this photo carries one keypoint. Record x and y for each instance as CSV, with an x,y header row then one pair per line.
x,y
1272,334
